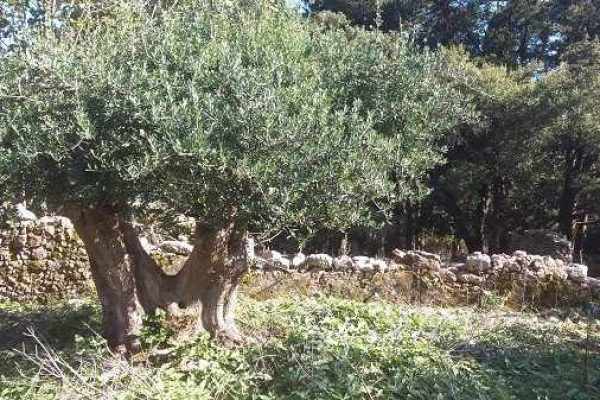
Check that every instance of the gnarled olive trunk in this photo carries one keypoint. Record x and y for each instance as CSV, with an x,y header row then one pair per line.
x,y
129,282
210,278
113,274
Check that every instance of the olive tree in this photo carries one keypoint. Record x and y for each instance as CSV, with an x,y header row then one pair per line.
x,y
243,117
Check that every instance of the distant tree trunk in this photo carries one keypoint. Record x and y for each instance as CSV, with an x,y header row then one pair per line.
x,y
498,237
410,226
129,282
579,234
460,220
483,212
343,250
569,193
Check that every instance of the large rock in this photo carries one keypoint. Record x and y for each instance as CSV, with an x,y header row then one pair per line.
x,y
577,272
418,260
479,263
343,263
278,260
64,222
318,261
363,264
23,214
398,255
379,265
146,245
176,247
298,261
536,263
500,262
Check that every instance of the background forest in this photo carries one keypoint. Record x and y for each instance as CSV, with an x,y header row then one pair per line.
x,y
530,158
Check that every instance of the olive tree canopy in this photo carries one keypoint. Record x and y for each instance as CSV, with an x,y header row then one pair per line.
x,y
248,118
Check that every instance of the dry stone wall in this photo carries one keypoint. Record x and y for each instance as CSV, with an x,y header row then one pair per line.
x,y
477,270
43,258
544,242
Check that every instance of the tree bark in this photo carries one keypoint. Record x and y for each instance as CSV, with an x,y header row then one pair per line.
x,y
483,211
568,196
460,220
211,276
129,282
113,275
411,231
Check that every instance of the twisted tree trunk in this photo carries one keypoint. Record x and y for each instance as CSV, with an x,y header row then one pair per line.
x,y
129,282
113,275
210,278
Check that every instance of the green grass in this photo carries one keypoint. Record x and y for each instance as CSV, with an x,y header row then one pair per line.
x,y
309,348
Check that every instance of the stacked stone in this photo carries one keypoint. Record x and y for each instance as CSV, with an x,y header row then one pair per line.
x,y
478,268
522,267
273,260
42,258
544,242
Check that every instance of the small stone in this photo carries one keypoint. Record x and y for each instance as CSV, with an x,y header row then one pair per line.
x,y
470,278
319,261
20,241
35,241
520,254
49,230
447,275
298,260
479,263
577,272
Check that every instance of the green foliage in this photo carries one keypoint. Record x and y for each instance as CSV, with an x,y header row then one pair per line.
x,y
488,154
338,349
571,135
512,32
212,107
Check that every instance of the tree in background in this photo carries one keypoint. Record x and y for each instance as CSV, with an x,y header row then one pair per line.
x,y
487,158
531,159
570,154
513,32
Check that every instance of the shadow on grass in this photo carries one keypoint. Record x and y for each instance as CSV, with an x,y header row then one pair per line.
x,y
507,361
535,365
56,325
